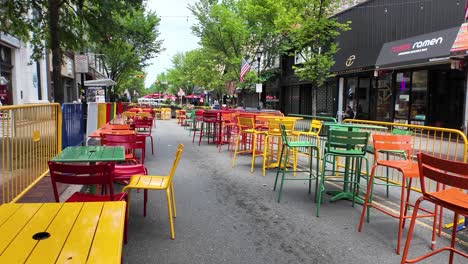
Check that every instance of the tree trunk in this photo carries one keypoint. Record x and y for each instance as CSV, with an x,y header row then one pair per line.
x,y
314,99
53,18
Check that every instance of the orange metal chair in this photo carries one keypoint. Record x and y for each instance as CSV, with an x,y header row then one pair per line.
x,y
409,170
444,172
150,182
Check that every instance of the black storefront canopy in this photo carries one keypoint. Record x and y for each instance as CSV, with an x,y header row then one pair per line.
x,y
433,47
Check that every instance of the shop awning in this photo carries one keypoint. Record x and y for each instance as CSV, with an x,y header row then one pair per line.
x,y
99,83
428,48
460,46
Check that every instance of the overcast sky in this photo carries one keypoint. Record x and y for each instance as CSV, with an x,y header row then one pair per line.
x,y
175,29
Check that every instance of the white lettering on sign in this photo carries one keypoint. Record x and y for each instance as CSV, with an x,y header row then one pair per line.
x,y
428,42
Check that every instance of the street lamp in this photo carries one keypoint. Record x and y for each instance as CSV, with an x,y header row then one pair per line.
x,y
258,87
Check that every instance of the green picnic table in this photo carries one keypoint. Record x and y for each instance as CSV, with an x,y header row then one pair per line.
x,y
91,154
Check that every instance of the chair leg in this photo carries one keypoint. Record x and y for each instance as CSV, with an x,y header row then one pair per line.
x,y
454,236
236,149
169,212
318,194
152,145
284,172
279,167
367,201
254,144
173,200
402,213
410,231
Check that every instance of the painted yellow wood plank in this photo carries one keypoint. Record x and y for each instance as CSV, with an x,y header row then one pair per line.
x,y
15,224
8,210
20,248
80,239
107,244
49,249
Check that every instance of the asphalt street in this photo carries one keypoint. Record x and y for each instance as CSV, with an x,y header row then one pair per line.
x,y
229,215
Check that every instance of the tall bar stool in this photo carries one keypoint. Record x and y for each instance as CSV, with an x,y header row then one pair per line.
x,y
287,147
449,174
409,170
249,140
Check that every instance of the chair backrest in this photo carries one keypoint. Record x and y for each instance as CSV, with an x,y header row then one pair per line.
x,y
126,171
145,124
245,122
178,154
81,175
315,126
338,139
284,134
447,172
391,143
130,142
274,125
211,116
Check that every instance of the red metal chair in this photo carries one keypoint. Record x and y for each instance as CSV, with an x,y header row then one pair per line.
x,y
98,174
131,143
210,127
197,123
447,173
143,127
409,170
123,173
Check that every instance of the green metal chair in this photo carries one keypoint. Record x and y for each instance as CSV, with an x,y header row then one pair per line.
x,y
352,146
292,146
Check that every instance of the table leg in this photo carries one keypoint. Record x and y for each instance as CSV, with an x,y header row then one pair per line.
x,y
346,194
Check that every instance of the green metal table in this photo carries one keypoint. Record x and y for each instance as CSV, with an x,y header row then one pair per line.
x,y
345,193
91,154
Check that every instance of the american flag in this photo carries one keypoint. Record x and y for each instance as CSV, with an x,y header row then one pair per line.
x,y
245,67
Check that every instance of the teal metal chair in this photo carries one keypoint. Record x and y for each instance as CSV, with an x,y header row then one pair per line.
x,y
292,146
352,146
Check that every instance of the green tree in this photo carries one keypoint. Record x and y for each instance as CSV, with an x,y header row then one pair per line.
x,y
309,29
59,25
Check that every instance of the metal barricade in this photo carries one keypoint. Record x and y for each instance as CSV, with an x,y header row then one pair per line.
x,y
444,143
72,124
30,136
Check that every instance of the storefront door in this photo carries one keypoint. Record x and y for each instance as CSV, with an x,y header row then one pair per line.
x,y
446,98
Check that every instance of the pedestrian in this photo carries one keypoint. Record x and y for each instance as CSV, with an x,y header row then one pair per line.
x,y
349,112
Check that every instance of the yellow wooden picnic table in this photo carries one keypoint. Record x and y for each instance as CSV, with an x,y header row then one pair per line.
x,y
61,232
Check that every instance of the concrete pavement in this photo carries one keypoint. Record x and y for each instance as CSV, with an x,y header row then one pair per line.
x,y
229,215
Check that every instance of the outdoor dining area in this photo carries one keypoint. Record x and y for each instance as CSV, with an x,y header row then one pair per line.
x,y
412,173
360,157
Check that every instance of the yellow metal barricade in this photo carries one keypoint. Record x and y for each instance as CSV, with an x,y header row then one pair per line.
x,y
30,136
444,143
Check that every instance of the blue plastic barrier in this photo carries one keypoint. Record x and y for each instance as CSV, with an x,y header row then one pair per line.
x,y
72,124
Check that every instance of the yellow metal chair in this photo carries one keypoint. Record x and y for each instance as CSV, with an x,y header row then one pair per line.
x,y
249,136
273,142
151,182
310,135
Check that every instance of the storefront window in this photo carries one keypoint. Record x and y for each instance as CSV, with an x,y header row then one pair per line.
x,y
384,98
418,97
402,97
